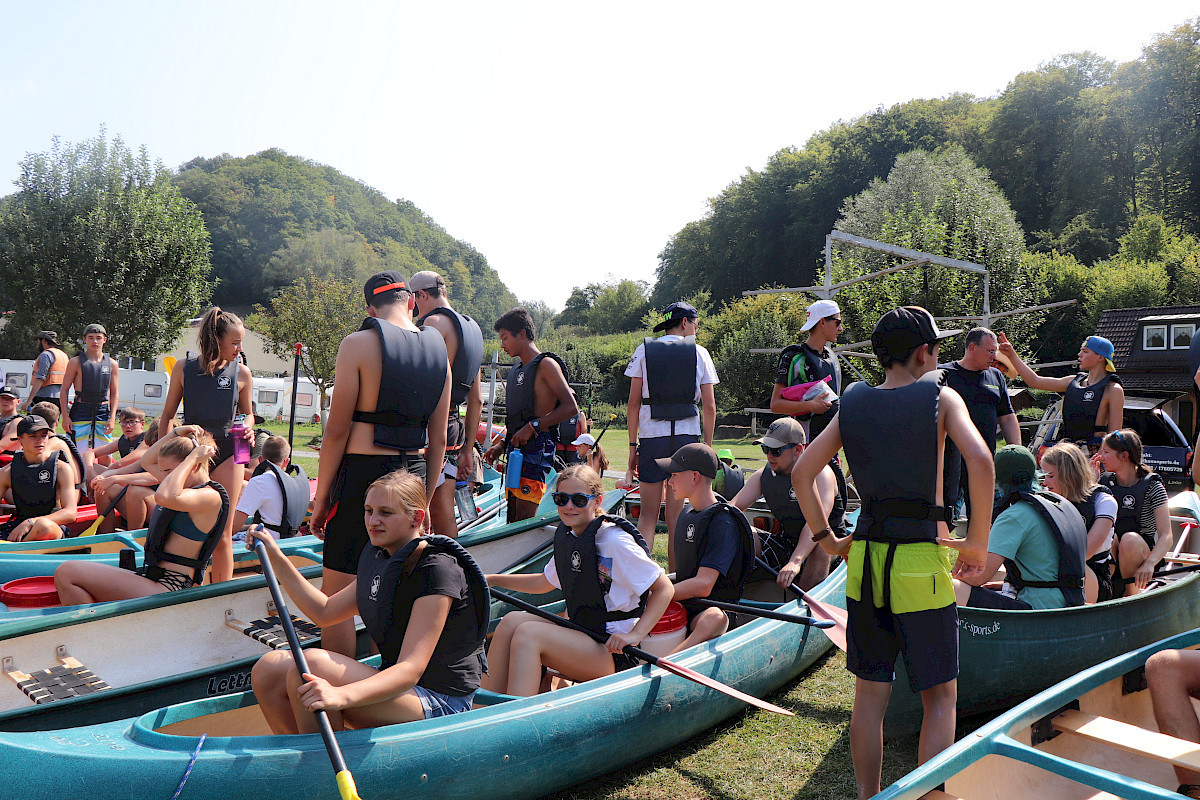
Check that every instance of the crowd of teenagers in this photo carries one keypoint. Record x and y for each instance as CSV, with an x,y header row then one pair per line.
x,y
1088,524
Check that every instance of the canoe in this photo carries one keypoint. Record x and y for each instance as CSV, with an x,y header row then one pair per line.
x,y
516,748
1007,656
1091,736
203,637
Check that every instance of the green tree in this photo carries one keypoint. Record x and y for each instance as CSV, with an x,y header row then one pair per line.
x,y
619,307
315,312
575,312
543,316
98,233
326,253
747,378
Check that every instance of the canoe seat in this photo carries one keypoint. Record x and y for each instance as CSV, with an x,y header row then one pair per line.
x,y
1131,738
69,679
269,630
938,794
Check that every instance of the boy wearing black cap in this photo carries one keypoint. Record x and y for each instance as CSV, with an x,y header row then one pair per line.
x,y
93,375
9,399
713,546
48,370
669,376
44,494
390,402
899,593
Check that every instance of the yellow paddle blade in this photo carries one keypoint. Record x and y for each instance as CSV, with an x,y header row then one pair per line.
x,y
94,527
345,782
168,364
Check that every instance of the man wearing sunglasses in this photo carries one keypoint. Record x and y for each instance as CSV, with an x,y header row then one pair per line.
x,y
792,551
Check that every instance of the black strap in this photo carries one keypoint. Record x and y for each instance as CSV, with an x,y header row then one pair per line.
x,y
393,418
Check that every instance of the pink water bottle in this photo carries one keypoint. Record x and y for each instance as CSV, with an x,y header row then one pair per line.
x,y
241,447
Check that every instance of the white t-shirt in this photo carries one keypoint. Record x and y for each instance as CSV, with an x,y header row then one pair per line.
x,y
632,571
649,428
262,494
1106,506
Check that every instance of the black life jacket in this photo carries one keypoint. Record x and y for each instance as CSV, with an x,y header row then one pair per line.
x,y
75,457
95,377
385,599
1081,407
691,542
210,401
518,398
125,445
1070,534
5,420
34,486
293,487
1129,503
730,481
806,365
671,379
410,385
468,357
781,499
158,531
1087,509
583,586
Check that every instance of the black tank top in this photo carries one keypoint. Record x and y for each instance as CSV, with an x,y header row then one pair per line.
x,y
96,376
210,401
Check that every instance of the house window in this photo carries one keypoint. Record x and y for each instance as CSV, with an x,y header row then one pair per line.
x,y
1181,336
1154,337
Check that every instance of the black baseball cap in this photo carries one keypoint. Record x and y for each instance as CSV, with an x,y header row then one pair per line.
x,y
697,456
380,282
8,391
675,312
31,424
904,329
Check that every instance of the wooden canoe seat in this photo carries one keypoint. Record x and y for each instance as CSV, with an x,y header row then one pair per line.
x,y
938,794
1131,738
69,679
269,630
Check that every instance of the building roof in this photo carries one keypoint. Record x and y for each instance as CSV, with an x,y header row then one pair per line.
x,y
1160,371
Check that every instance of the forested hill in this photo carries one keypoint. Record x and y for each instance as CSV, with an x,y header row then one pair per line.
x,y
274,217
1080,147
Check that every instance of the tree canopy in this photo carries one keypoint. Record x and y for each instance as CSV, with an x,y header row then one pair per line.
x,y
98,233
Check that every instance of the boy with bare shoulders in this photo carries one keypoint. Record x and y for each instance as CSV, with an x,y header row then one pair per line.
x,y
93,375
391,401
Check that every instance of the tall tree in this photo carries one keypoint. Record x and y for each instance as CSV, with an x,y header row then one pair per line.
x,y
98,233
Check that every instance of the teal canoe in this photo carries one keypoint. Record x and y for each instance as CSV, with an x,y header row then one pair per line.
x,y
1091,736
176,646
517,748
1007,656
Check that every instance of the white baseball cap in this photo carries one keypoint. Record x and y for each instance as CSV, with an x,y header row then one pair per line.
x,y
585,438
819,311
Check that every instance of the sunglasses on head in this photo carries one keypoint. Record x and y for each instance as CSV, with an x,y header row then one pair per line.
x,y
579,499
776,451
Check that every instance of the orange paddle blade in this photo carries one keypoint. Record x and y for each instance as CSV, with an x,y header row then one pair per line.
x,y
704,680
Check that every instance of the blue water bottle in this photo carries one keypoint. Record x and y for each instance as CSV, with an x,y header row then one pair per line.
x,y
512,476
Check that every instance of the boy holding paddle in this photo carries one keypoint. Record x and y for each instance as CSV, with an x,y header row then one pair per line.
x,y
899,593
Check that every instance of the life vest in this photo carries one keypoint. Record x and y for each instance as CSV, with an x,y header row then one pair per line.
x,y
75,457
467,358
411,378
1081,407
125,445
1087,509
95,377
671,379
58,368
5,420
210,401
1129,503
781,499
34,486
159,531
519,399
293,487
691,542
729,481
583,586
385,599
1070,535
805,365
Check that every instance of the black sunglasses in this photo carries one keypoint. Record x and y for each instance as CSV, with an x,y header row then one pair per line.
x,y
776,451
579,499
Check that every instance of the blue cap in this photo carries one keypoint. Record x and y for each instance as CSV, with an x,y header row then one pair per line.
x,y
1102,347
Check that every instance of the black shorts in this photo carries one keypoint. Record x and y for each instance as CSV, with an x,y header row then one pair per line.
x,y
224,444
1101,566
346,530
988,598
659,447
928,640
6,529
171,581
622,662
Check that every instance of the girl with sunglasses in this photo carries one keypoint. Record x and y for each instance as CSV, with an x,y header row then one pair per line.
x,y
611,585
1143,524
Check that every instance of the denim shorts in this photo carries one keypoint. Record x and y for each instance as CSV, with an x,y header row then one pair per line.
x,y
436,704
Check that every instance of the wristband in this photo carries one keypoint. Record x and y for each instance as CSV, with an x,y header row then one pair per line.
x,y
821,534
633,445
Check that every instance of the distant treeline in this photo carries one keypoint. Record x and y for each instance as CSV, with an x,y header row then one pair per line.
x,y
1080,147
274,218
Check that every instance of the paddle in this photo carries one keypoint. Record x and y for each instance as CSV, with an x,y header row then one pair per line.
x,y
345,781
767,613
95,526
837,633
605,428
637,652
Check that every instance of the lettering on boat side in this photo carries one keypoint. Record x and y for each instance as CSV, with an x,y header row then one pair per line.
x,y
979,630
236,682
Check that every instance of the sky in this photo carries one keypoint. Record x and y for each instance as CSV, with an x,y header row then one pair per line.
x,y
566,141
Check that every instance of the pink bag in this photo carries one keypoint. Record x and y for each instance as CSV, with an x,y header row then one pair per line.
x,y
808,391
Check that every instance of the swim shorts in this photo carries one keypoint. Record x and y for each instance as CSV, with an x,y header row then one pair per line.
x,y
346,530
6,529
539,460
659,447
87,425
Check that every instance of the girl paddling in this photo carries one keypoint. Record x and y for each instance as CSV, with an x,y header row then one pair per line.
x,y
191,508
214,387
424,604
1143,513
610,583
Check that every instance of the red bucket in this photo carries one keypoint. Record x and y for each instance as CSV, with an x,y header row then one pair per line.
x,y
35,592
669,633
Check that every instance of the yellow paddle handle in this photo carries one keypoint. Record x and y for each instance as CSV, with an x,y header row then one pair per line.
x,y
345,783
95,526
